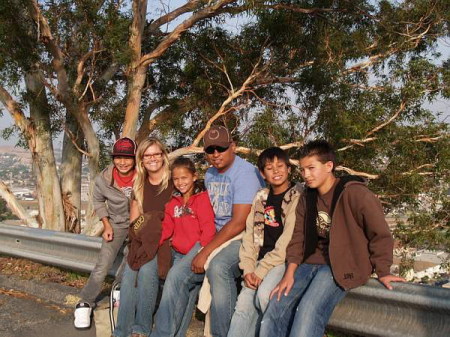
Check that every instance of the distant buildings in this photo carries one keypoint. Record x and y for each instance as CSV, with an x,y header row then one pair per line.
x,y
427,266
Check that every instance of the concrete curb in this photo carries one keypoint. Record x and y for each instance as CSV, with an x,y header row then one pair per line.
x,y
52,292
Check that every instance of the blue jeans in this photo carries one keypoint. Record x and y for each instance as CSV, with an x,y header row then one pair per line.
x,y
178,299
251,304
305,311
138,292
222,273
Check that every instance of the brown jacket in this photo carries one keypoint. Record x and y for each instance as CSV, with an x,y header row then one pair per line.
x,y
144,234
360,240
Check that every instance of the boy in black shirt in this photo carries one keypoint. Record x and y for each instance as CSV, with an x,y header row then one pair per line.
x,y
269,229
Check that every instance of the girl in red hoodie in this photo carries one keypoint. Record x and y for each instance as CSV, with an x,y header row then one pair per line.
x,y
189,223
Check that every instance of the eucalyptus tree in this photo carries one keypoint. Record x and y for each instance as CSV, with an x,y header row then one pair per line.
x,y
355,72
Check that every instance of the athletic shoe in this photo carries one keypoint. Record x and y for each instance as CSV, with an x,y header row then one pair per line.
x,y
82,315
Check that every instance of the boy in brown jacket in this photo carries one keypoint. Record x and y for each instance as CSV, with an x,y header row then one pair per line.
x,y
340,238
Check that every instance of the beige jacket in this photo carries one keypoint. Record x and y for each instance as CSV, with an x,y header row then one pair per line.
x,y
253,238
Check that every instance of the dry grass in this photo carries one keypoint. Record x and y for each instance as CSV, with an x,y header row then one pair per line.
x,y
29,270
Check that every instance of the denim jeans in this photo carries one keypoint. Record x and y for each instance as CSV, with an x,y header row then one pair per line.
x,y
105,260
251,304
305,311
222,273
178,299
138,292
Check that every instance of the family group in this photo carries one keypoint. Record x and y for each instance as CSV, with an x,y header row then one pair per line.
x,y
298,248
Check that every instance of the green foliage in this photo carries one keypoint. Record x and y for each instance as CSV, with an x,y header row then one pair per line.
x,y
17,48
5,213
357,73
406,264
429,228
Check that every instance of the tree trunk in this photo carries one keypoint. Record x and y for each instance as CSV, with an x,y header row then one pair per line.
x,y
48,189
93,160
136,74
136,84
70,172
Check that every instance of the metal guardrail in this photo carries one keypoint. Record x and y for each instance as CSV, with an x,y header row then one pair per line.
x,y
410,310
66,250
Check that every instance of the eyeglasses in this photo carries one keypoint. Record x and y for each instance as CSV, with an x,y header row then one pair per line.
x,y
149,156
212,149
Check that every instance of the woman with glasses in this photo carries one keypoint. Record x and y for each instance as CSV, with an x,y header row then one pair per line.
x,y
146,260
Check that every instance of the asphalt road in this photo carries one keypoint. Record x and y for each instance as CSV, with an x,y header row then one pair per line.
x,y
25,312
39,309
25,317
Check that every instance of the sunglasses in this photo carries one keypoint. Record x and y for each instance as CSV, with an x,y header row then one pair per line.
x,y
212,149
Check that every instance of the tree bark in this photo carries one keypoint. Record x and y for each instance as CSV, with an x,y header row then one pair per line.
x,y
136,74
82,117
136,81
71,163
44,166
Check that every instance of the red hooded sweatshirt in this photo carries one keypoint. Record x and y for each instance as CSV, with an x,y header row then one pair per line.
x,y
188,223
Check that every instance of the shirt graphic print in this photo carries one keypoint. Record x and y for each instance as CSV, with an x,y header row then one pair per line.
x,y
179,211
323,224
269,217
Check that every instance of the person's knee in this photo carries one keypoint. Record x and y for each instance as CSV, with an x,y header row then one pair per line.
x,y
174,279
216,271
245,305
105,260
99,273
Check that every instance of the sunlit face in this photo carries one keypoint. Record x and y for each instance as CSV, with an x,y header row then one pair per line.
x,y
153,159
123,164
276,173
314,173
222,161
183,180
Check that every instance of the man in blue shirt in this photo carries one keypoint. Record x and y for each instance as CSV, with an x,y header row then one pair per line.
x,y
232,183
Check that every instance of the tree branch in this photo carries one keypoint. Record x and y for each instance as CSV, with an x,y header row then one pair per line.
x,y
357,173
169,17
173,36
15,206
81,71
368,139
312,11
74,142
419,168
232,96
16,112
53,48
137,28
427,139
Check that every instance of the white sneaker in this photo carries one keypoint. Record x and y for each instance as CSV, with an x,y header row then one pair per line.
x,y
82,315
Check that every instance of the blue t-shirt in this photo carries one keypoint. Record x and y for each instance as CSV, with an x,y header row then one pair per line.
x,y
237,185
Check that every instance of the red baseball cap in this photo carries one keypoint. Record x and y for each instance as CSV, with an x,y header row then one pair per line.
x,y
125,147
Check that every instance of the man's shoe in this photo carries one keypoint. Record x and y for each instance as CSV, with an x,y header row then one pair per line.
x,y
82,315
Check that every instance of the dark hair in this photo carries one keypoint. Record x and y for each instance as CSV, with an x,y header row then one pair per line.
x,y
320,148
269,154
185,163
